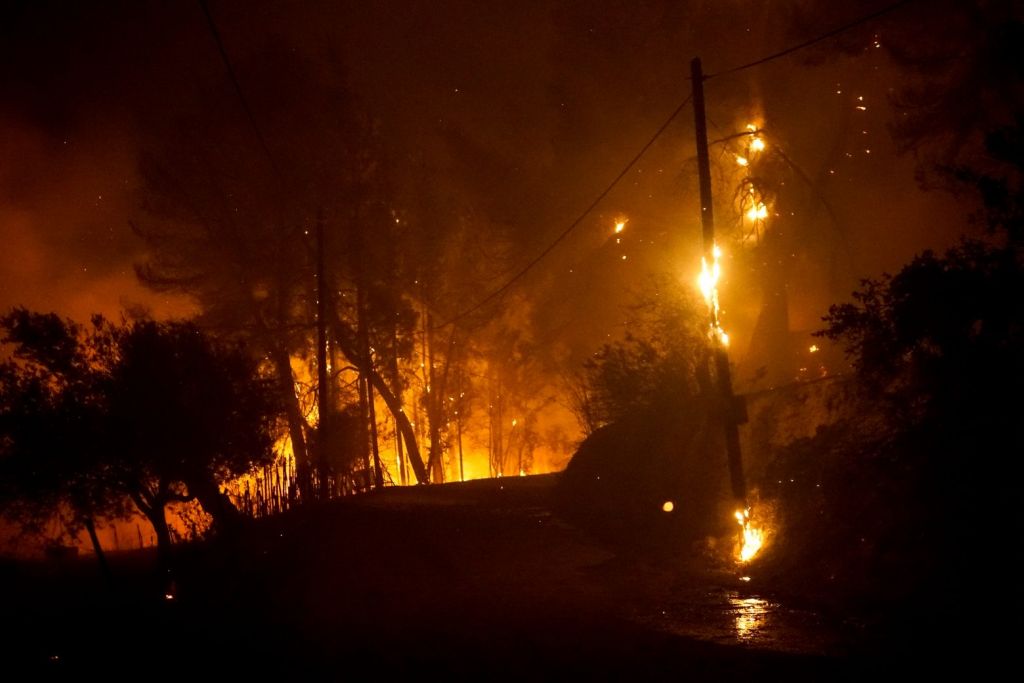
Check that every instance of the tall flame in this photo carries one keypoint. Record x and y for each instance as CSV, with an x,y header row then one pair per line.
x,y
708,283
753,538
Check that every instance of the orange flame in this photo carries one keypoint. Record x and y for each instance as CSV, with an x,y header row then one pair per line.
x,y
753,537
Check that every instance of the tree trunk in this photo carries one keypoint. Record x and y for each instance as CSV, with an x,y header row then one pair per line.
x,y
346,341
396,380
366,399
226,517
158,519
402,421
101,557
435,405
296,422
323,381
152,506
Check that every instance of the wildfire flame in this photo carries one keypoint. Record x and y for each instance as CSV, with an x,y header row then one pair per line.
x,y
753,538
708,283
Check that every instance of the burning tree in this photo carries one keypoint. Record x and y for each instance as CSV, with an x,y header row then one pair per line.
x,y
262,235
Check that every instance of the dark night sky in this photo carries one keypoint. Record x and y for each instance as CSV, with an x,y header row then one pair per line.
x,y
550,98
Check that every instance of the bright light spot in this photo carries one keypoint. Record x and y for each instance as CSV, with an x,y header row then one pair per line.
x,y
742,161
753,538
758,212
514,422
620,225
751,614
757,145
814,348
745,579
668,506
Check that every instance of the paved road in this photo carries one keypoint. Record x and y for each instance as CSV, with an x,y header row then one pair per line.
x,y
474,581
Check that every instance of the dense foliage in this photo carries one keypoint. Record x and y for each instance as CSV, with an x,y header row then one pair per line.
x,y
93,416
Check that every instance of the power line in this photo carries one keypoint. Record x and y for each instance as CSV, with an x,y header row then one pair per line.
x,y
807,43
212,25
572,226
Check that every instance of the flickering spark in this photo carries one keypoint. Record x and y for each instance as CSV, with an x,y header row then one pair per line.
x,y
814,348
742,161
757,145
620,225
668,506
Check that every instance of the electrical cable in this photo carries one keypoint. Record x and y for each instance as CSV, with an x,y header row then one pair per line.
x,y
807,43
572,226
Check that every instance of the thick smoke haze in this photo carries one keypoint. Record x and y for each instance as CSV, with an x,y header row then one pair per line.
x,y
521,112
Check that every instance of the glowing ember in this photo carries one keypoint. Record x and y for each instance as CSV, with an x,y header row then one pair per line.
x,y
620,225
668,506
753,538
757,145
742,161
814,348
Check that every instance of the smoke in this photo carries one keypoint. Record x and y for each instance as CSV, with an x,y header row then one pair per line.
x,y
521,113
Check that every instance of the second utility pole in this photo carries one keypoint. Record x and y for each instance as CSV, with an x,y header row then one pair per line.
x,y
729,408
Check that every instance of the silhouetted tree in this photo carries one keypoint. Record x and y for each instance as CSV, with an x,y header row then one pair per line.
x,y
51,445
658,359
155,412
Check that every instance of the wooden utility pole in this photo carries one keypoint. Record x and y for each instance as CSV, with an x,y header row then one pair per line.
x,y
730,407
